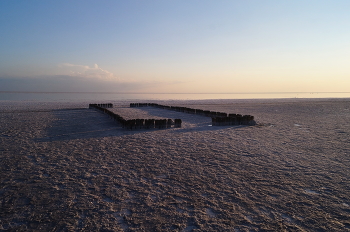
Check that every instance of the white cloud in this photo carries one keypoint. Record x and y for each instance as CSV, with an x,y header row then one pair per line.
x,y
87,72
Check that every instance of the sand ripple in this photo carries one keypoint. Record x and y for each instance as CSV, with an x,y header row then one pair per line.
x,y
72,169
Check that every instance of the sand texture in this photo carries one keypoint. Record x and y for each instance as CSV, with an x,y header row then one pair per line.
x,y
65,167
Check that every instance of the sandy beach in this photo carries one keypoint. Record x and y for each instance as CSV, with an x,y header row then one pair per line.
x,y
65,167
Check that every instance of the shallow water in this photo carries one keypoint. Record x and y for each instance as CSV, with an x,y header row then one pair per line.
x,y
66,167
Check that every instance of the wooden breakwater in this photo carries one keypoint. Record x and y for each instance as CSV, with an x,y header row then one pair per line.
x,y
218,118
105,105
137,123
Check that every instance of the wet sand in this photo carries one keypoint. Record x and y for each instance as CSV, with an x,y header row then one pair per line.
x,y
65,167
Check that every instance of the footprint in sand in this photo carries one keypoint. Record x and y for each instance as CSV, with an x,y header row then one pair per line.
x,y
189,228
121,218
287,218
210,212
311,192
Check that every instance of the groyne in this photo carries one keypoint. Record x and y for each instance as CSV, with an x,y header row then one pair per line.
x,y
218,118
132,124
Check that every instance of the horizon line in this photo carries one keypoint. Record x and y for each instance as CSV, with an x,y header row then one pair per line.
x,y
311,92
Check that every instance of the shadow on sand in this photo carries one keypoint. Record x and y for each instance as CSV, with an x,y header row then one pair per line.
x,y
70,124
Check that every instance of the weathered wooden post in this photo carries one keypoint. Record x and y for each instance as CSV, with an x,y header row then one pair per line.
x,y
178,123
169,123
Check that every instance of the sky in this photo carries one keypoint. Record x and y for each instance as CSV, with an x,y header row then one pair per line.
x,y
192,46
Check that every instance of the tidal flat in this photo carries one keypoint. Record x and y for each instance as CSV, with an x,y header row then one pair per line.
x,y
65,167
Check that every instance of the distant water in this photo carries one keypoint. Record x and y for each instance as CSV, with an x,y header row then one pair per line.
x,y
80,96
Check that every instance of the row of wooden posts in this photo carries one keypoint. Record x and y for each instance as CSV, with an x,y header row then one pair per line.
x,y
137,123
218,118
105,105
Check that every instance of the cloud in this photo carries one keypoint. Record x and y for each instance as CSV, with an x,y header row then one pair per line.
x,y
66,83
85,71
82,78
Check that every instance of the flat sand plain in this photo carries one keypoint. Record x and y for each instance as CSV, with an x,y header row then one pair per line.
x,y
68,168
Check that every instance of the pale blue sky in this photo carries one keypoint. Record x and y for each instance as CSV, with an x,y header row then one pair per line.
x,y
175,46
